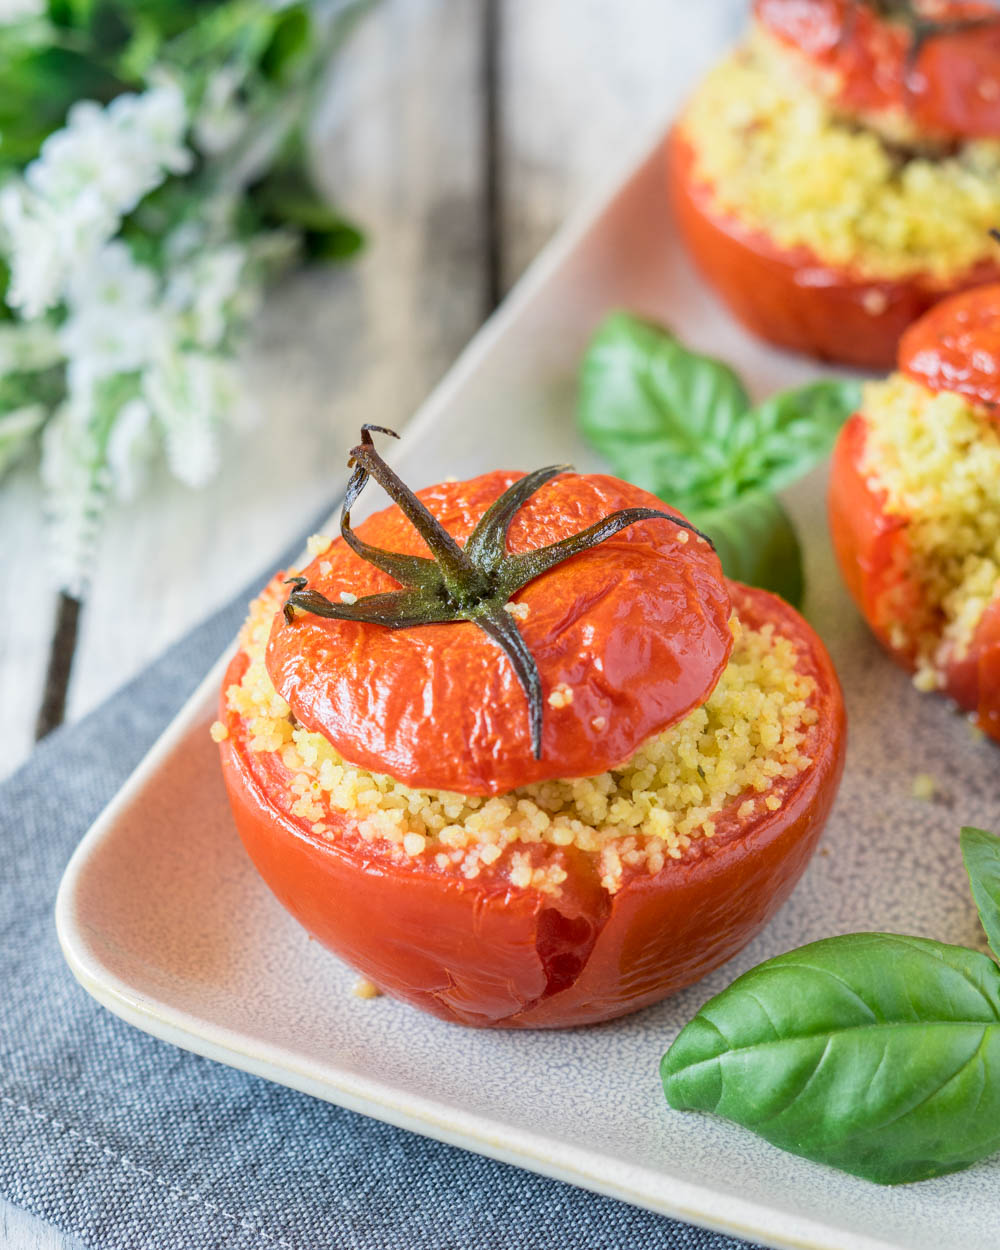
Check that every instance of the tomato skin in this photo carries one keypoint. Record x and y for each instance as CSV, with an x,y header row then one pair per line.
x,y
787,295
481,952
872,550
637,629
956,347
860,63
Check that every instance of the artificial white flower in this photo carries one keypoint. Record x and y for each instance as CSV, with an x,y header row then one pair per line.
x,y
12,11
76,482
131,445
113,325
188,393
87,176
17,429
221,120
202,291
151,128
27,346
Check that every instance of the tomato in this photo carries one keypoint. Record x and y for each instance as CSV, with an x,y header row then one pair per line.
x,y
954,347
636,629
483,952
790,297
865,64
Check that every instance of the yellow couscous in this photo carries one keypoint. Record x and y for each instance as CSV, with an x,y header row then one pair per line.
x,y
753,730
778,157
937,458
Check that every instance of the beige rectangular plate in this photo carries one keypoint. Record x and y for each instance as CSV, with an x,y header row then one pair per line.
x,y
164,921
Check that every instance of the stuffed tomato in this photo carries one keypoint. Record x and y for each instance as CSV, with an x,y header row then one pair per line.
x,y
541,821
914,505
839,172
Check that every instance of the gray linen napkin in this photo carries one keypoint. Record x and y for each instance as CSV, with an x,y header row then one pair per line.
x,y
129,1143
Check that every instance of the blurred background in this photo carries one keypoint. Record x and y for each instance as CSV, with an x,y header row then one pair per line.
x,y
275,222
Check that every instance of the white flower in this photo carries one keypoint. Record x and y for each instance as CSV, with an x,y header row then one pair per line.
x,y
112,324
131,445
221,120
75,482
151,127
27,346
43,242
190,393
203,291
87,176
12,11
16,431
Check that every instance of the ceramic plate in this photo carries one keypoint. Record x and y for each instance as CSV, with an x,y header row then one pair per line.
x,y
164,921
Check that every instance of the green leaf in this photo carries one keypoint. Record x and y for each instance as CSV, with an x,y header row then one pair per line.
x,y
287,198
874,1053
981,853
757,544
662,415
680,425
785,436
288,44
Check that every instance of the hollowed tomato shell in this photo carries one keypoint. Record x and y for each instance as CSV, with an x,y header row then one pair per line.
x,y
787,295
483,952
872,548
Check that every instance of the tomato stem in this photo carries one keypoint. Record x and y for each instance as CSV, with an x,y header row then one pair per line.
x,y
471,584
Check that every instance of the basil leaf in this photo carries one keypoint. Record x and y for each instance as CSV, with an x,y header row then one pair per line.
x,y
785,436
756,543
981,853
874,1053
662,415
681,426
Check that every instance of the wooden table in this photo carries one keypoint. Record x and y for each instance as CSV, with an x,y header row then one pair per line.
x,y
459,133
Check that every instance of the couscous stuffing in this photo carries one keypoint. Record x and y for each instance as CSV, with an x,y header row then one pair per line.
x,y
779,158
937,458
753,730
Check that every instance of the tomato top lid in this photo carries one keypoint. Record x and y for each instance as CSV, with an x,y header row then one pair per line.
x,y
956,347
935,63
563,619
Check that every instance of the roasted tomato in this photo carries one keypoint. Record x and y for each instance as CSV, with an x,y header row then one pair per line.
x,y
914,512
926,70
329,722
831,252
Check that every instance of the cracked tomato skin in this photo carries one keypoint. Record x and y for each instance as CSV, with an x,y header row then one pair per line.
x,y
859,62
788,296
871,543
486,953
637,628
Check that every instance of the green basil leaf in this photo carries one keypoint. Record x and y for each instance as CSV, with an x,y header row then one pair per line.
x,y
874,1053
786,435
662,415
981,853
756,543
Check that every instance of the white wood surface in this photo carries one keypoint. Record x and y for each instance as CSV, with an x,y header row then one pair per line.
x,y
400,140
